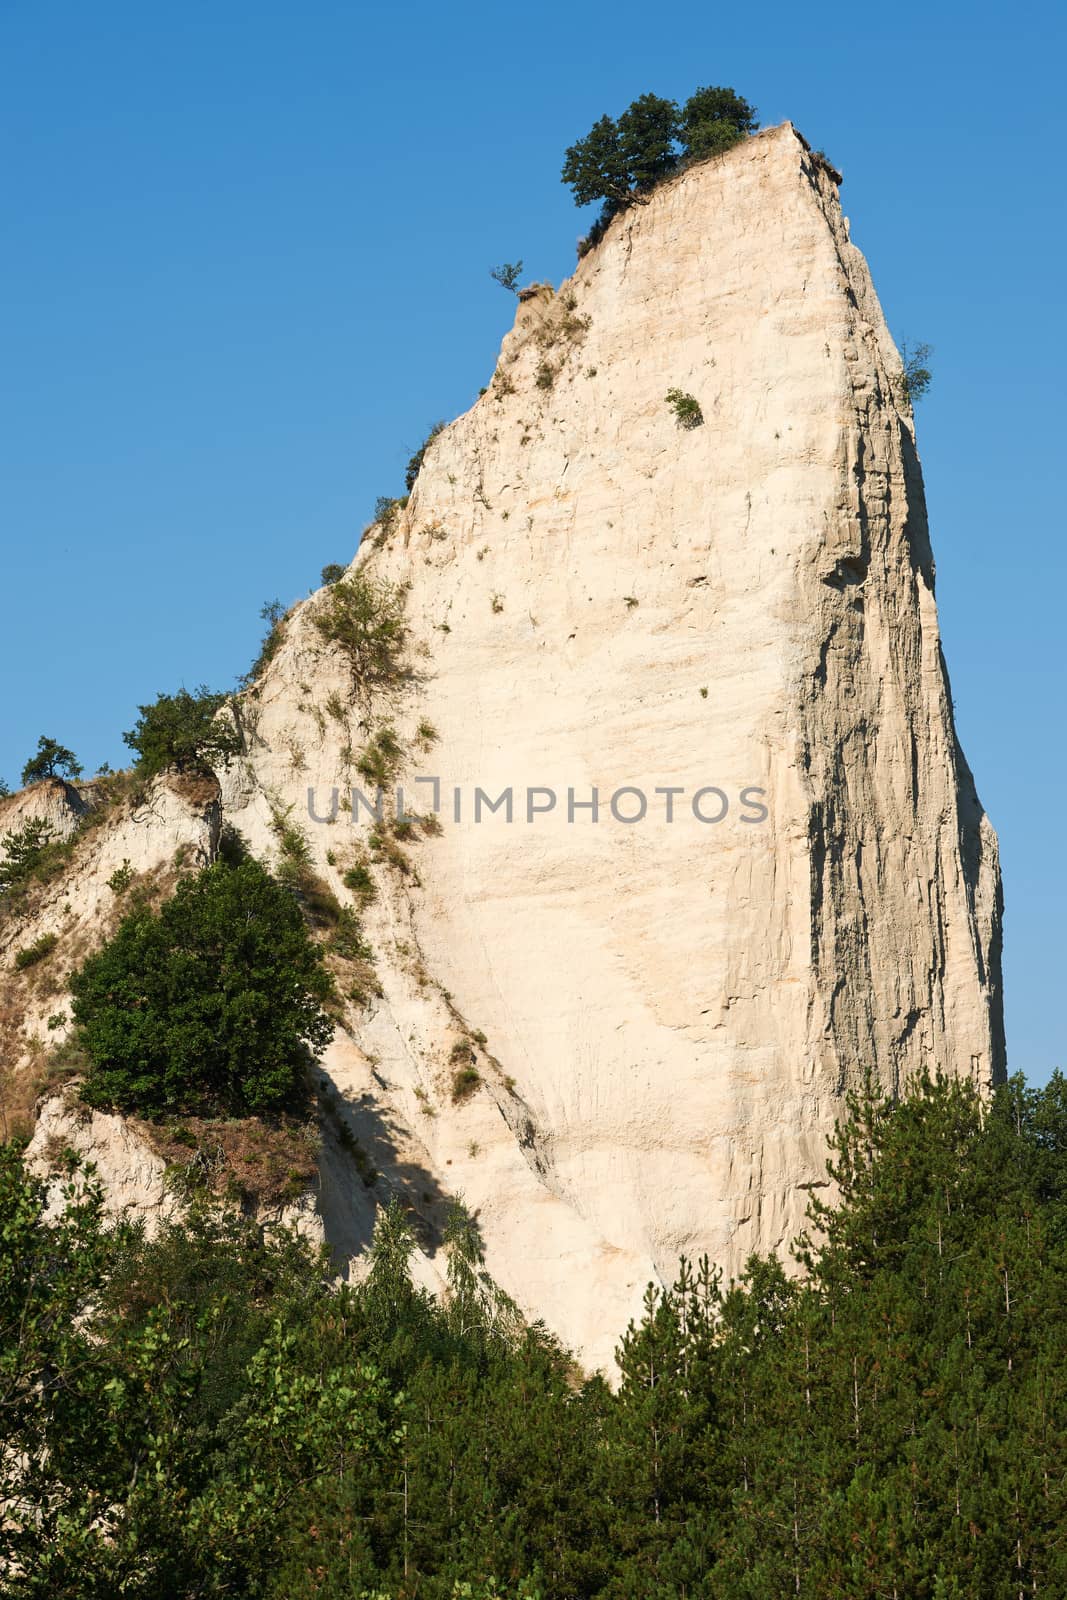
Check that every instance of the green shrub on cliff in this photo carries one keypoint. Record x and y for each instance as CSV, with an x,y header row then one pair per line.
x,y
364,617
51,761
183,731
212,1004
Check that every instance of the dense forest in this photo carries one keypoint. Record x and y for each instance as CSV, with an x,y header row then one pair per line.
x,y
208,1413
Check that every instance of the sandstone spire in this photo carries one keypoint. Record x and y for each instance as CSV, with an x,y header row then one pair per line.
x,y
657,1019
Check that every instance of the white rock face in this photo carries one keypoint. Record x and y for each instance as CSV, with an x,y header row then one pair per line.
x,y
602,598
53,805
144,835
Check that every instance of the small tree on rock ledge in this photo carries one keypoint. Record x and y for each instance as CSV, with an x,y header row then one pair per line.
x,y
183,731
51,761
621,162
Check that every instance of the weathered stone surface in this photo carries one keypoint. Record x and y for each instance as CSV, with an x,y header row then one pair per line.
x,y
170,820
663,1015
600,597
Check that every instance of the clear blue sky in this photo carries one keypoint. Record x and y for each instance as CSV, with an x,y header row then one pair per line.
x,y
244,263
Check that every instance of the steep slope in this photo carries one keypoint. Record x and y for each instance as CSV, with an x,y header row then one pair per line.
x,y
676,1008
621,1041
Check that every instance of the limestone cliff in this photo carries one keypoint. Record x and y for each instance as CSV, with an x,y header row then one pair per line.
x,y
659,1017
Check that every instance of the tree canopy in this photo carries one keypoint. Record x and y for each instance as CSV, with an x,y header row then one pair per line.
x,y
51,761
207,1413
621,161
183,731
213,1003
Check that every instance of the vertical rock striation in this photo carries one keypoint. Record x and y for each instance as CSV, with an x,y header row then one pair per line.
x,y
603,598
663,1015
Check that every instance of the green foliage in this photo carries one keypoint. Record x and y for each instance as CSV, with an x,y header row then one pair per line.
x,y
347,939
364,617
620,162
183,731
475,1307
333,572
686,408
466,1078
916,377
51,761
464,1083
29,955
121,878
337,926
208,1413
380,761
594,168
712,120
415,464
273,614
507,275
387,509
648,130
5,789
358,880
214,1003
21,852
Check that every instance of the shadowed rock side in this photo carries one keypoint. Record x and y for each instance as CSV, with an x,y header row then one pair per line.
x,y
662,1016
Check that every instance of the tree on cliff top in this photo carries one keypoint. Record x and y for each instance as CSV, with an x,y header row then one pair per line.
x,y
51,761
620,162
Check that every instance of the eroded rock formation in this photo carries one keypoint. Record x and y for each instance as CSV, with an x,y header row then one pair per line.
x,y
658,1018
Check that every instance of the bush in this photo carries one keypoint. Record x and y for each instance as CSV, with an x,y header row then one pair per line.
x,y
30,954
51,761
916,377
212,1004
415,464
686,408
359,882
387,509
333,572
380,761
183,731
365,618
465,1082
273,613
121,878
347,939
22,850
